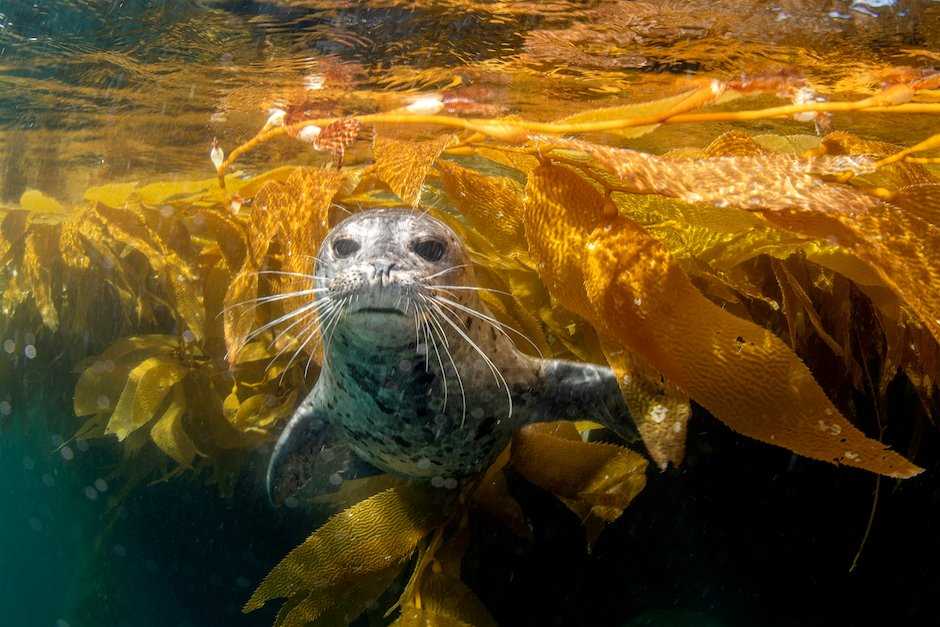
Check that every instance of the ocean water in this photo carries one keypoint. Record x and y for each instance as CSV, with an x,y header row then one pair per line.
x,y
116,94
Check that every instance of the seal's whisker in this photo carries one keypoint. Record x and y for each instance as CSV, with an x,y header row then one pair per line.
x,y
302,275
273,323
431,340
257,302
312,330
496,324
500,379
469,288
434,317
445,271
312,323
330,328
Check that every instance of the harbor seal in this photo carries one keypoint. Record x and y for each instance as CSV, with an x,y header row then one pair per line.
x,y
418,378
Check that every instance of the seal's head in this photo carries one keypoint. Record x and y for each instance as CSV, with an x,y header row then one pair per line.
x,y
375,265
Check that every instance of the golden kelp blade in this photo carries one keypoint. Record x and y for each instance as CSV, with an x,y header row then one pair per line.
x,y
902,247
492,205
338,605
147,385
620,278
102,381
445,601
367,538
168,432
553,457
180,280
404,165
660,410
41,252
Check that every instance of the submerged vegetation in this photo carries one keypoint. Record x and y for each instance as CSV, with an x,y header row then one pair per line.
x,y
771,279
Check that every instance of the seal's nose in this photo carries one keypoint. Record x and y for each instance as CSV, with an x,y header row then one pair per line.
x,y
381,271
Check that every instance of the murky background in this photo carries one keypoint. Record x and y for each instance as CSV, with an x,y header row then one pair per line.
x,y
95,92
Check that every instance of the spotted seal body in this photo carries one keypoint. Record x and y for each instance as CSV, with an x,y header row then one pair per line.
x,y
418,378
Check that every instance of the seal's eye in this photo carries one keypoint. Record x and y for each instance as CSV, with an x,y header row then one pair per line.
x,y
344,247
430,249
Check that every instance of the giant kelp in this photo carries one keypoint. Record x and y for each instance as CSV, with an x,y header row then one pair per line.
x,y
712,275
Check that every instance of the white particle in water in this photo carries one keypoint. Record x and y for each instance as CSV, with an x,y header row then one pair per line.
x,y
167,211
91,493
67,453
5,408
426,105
29,338
336,479
81,445
424,463
309,133
28,463
450,483
103,402
437,482
405,365
291,502
188,336
242,582
658,413
101,485
9,346
56,440
120,551
30,351
62,623
476,412
35,524
48,480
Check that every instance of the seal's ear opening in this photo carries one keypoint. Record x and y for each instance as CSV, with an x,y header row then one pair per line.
x,y
308,461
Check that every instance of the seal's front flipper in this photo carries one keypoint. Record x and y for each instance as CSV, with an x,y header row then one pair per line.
x,y
568,390
308,460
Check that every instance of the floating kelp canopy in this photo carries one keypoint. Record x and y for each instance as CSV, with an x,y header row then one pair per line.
x,y
729,276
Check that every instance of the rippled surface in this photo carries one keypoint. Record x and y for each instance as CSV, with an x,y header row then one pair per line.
x,y
102,91
94,92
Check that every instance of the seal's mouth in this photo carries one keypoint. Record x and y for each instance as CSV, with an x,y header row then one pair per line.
x,y
385,311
